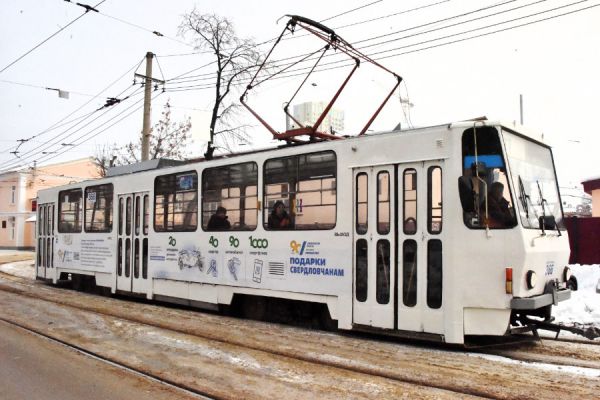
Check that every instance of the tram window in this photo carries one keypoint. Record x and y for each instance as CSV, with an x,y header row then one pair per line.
x,y
128,216
362,203
69,211
120,258
382,290
136,259
434,273
146,214
434,200
234,188
137,215
98,208
306,186
40,220
484,177
409,273
383,203
127,257
145,258
362,269
176,202
410,201
120,222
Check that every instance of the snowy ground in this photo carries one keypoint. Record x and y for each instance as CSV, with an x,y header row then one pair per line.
x,y
584,304
24,269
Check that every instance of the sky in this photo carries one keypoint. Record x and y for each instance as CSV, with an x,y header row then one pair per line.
x,y
553,64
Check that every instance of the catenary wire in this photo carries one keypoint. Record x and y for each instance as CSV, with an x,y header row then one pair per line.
x,y
48,38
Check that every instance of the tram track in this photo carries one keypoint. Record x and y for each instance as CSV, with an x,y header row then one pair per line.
x,y
441,369
218,369
184,391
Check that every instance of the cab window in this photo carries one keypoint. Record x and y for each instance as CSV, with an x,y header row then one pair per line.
x,y
483,187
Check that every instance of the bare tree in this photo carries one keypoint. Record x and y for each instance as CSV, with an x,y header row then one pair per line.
x,y
105,157
168,140
234,58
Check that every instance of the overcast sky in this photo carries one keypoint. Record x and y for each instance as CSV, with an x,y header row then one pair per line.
x,y
554,64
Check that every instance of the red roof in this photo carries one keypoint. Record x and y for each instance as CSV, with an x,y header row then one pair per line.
x,y
591,184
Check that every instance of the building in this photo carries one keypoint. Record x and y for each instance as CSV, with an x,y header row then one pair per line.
x,y
308,113
592,187
18,193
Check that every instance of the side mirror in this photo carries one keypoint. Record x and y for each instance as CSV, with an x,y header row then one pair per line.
x,y
547,222
465,191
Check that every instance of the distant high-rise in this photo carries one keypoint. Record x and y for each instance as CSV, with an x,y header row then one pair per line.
x,y
308,113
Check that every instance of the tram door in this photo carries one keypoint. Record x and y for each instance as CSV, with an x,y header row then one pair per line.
x,y
132,242
419,247
45,240
374,258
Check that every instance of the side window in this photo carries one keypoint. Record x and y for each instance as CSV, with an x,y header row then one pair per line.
x,y
383,203
409,273
409,208
98,208
362,203
484,178
434,200
300,192
230,198
434,273
146,213
176,202
69,211
382,291
362,269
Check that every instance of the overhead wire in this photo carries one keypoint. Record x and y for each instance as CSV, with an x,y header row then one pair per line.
x,y
48,38
200,87
103,130
57,124
55,141
275,62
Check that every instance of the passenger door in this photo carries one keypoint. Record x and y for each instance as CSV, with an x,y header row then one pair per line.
x,y
132,242
45,241
374,277
419,247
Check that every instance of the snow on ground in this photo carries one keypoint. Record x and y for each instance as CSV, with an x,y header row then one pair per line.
x,y
24,269
584,304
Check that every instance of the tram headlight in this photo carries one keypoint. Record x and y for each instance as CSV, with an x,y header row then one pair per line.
x,y
531,279
567,274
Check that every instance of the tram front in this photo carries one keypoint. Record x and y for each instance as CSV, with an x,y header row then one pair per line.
x,y
518,261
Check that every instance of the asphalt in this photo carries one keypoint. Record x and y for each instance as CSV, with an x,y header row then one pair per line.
x,y
32,367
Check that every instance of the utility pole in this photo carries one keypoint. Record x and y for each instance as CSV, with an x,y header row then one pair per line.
x,y
147,106
521,107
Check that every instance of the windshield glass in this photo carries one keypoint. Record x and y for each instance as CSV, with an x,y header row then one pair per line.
x,y
534,180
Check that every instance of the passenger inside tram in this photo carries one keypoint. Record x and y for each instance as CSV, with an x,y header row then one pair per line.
x,y
218,221
279,218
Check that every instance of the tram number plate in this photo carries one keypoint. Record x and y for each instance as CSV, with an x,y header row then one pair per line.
x,y
342,234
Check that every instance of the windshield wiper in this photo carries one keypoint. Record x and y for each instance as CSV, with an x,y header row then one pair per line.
x,y
542,201
523,196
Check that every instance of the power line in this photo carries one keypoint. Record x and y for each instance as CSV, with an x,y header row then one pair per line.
x,y
205,86
48,38
154,32
212,74
59,123
103,130
42,87
59,138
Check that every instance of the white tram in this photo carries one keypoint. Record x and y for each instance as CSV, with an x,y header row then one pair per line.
x,y
395,232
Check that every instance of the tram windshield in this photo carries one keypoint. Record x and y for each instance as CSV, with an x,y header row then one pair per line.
x,y
484,190
534,180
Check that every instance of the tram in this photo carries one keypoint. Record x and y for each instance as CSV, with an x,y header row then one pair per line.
x,y
444,232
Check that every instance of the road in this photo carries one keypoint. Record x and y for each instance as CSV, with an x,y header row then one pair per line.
x,y
32,367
